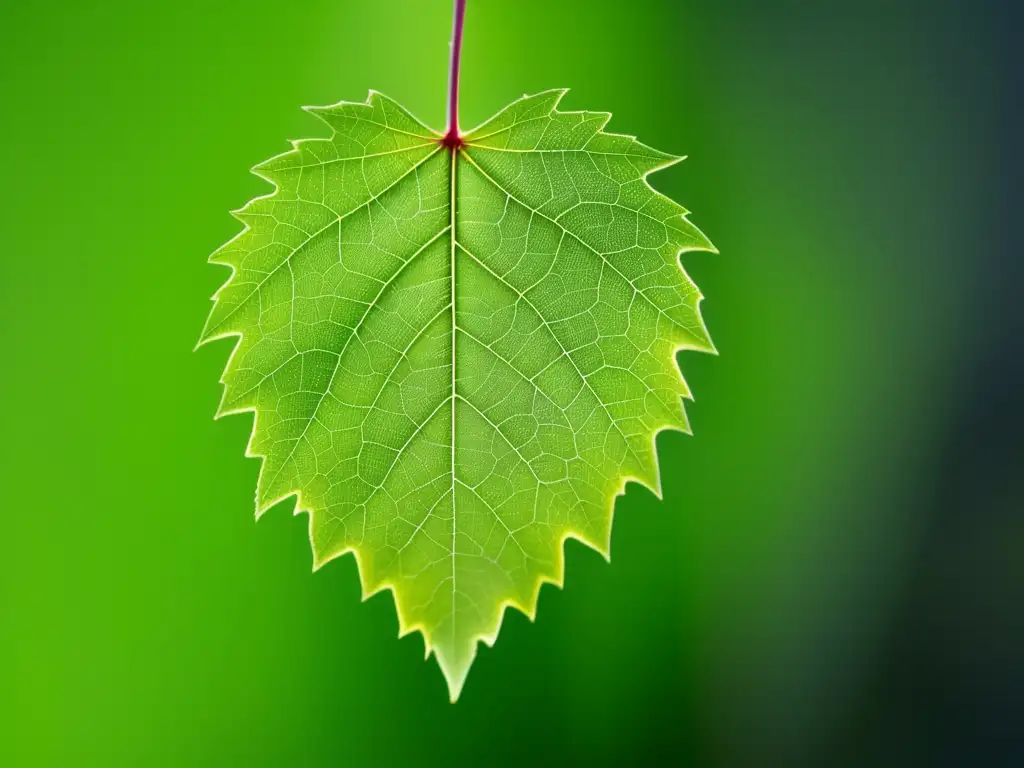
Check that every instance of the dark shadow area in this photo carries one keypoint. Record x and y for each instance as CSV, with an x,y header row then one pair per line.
x,y
949,687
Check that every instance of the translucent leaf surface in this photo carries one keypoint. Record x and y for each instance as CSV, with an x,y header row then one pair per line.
x,y
457,358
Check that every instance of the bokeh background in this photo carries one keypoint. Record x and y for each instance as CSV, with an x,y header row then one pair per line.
x,y
836,573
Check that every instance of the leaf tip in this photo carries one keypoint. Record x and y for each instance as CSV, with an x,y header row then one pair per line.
x,y
454,674
317,111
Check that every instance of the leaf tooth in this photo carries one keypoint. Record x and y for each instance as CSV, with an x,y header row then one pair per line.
x,y
319,114
605,118
535,105
687,236
698,340
559,94
378,108
218,327
339,116
265,170
270,170
267,174
644,158
211,333
538,102
374,97
688,330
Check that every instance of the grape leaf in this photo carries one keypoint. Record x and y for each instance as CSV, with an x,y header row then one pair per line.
x,y
458,355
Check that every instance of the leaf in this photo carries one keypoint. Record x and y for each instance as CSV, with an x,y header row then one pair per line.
x,y
457,358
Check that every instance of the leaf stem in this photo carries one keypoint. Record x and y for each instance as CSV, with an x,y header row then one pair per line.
x,y
452,138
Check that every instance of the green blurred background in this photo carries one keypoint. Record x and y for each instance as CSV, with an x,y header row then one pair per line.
x,y
783,604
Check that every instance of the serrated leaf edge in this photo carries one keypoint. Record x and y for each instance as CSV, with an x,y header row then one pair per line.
x,y
455,679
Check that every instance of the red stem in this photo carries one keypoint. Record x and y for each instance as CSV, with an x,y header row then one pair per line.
x,y
452,138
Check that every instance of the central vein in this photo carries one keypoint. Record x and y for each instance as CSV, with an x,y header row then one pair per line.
x,y
451,235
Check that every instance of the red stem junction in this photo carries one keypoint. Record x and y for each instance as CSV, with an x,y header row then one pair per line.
x,y
452,138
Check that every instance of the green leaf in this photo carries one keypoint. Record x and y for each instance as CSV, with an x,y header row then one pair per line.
x,y
458,358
